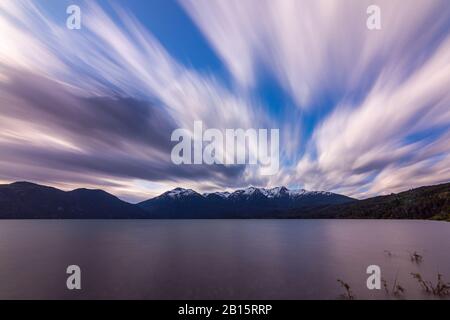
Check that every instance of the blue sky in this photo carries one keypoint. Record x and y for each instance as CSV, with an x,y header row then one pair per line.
x,y
360,112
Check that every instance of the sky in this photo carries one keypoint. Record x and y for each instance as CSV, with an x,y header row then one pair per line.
x,y
360,112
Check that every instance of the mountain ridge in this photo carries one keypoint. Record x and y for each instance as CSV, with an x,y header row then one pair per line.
x,y
26,200
268,192
426,202
251,202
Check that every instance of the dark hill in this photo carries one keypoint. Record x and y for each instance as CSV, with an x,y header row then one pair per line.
x,y
430,202
24,200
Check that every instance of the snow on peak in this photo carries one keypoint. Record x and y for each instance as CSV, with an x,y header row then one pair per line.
x,y
276,192
250,190
179,192
270,193
298,192
224,194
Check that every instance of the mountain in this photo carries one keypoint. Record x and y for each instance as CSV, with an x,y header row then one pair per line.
x,y
177,203
429,202
251,202
24,200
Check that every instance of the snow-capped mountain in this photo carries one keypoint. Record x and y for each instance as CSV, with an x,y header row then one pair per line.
x,y
179,193
25,200
248,202
276,192
224,194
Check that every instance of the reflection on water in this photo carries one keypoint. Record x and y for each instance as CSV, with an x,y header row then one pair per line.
x,y
217,259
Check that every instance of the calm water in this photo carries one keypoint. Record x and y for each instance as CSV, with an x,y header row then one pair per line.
x,y
208,259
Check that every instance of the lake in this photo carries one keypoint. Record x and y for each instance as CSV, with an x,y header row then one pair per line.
x,y
217,259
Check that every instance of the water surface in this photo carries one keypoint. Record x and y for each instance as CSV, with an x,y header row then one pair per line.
x,y
216,259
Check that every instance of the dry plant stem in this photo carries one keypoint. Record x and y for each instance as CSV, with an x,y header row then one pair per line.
x,y
441,288
348,293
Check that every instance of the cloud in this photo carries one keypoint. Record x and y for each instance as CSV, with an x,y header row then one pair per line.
x,y
372,138
387,90
46,127
97,106
317,47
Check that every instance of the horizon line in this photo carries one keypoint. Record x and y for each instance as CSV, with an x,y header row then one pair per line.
x,y
242,188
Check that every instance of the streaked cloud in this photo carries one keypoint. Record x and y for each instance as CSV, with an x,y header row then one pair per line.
x,y
102,103
389,88
96,106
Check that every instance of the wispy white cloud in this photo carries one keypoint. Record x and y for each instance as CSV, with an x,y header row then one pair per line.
x,y
42,62
378,99
388,86
315,47
373,136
